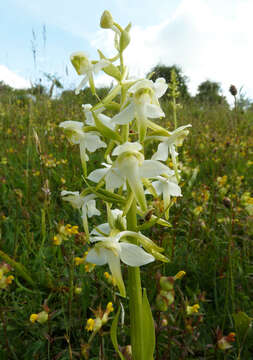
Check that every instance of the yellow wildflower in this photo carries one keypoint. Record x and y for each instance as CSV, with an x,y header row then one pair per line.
x,y
34,317
179,275
190,310
90,324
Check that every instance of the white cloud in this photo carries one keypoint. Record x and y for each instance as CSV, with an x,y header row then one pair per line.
x,y
11,78
209,39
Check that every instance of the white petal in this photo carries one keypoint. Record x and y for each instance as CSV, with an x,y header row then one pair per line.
x,y
152,168
113,179
130,168
100,65
133,255
162,152
125,116
91,208
107,121
140,84
173,189
93,142
104,228
127,146
72,125
158,187
97,256
81,85
160,87
153,111
97,175
114,264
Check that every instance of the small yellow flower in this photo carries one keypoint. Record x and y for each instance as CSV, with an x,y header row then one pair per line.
x,y
34,317
109,308
9,279
78,261
89,267
198,210
90,324
57,240
179,275
190,310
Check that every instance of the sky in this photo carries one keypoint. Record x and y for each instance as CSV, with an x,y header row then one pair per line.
x,y
208,39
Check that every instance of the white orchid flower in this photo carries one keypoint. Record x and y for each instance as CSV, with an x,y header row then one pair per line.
x,y
129,166
144,104
109,250
117,221
168,144
87,205
106,120
87,140
84,66
167,186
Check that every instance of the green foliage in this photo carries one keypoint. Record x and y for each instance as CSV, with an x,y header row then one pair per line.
x,y
209,93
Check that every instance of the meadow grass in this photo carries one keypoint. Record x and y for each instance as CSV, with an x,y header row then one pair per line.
x,y
210,238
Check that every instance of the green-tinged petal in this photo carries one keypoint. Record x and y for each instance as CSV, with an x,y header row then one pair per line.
x,y
153,111
73,130
133,255
160,87
98,174
102,229
158,187
173,188
130,168
93,142
81,85
127,147
114,179
114,264
100,65
152,168
91,208
162,152
125,116
97,256
73,197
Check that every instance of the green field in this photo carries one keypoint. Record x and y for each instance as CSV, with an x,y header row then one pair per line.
x,y
210,238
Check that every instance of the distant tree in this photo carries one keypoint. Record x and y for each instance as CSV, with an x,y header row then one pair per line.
x,y
165,72
209,93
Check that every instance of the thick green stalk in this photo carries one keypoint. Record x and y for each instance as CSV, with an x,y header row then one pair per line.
x,y
135,297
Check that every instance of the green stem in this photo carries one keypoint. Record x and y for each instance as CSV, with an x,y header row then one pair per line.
x,y
135,296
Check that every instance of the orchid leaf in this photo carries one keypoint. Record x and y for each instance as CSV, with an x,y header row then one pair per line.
x,y
113,333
